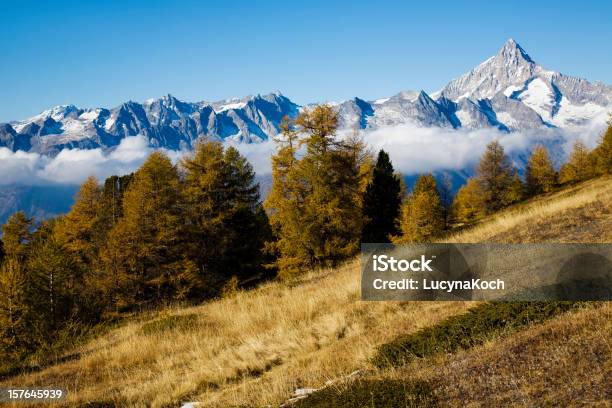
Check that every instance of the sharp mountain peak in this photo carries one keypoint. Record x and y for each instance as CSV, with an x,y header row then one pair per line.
x,y
508,91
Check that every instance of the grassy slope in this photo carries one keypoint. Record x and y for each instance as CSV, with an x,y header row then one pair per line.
x,y
580,213
257,347
564,361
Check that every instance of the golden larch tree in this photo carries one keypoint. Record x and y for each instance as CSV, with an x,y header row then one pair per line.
x,y
540,174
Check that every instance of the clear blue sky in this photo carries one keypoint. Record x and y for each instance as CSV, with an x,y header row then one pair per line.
x,y
101,53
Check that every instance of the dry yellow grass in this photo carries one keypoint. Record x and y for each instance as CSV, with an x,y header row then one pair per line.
x,y
582,213
563,362
257,347
254,348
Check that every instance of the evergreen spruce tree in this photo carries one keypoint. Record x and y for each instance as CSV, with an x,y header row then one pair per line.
x,y
446,199
246,228
540,174
494,176
112,199
381,202
111,279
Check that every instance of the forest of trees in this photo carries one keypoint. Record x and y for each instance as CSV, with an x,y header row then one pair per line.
x,y
195,230
166,233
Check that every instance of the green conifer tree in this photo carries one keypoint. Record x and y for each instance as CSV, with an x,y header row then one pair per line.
x,y
381,202
112,198
446,199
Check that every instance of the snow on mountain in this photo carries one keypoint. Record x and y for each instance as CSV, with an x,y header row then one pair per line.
x,y
508,91
166,122
409,107
510,66
558,100
230,104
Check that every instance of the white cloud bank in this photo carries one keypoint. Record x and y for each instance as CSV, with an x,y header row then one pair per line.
x,y
416,150
73,166
412,149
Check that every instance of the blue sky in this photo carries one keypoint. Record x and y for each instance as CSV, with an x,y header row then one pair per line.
x,y
101,53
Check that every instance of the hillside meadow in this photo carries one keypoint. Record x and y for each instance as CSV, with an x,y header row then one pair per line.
x,y
257,347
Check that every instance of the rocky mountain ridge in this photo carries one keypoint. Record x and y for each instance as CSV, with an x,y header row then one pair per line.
x,y
508,91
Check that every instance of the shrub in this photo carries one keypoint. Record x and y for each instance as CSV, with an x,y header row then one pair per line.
x,y
373,393
467,330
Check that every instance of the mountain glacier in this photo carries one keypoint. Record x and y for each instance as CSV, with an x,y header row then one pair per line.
x,y
508,91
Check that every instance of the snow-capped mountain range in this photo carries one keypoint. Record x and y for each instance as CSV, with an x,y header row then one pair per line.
x,y
508,91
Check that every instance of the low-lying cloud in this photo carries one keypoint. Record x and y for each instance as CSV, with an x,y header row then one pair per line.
x,y
73,166
413,150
